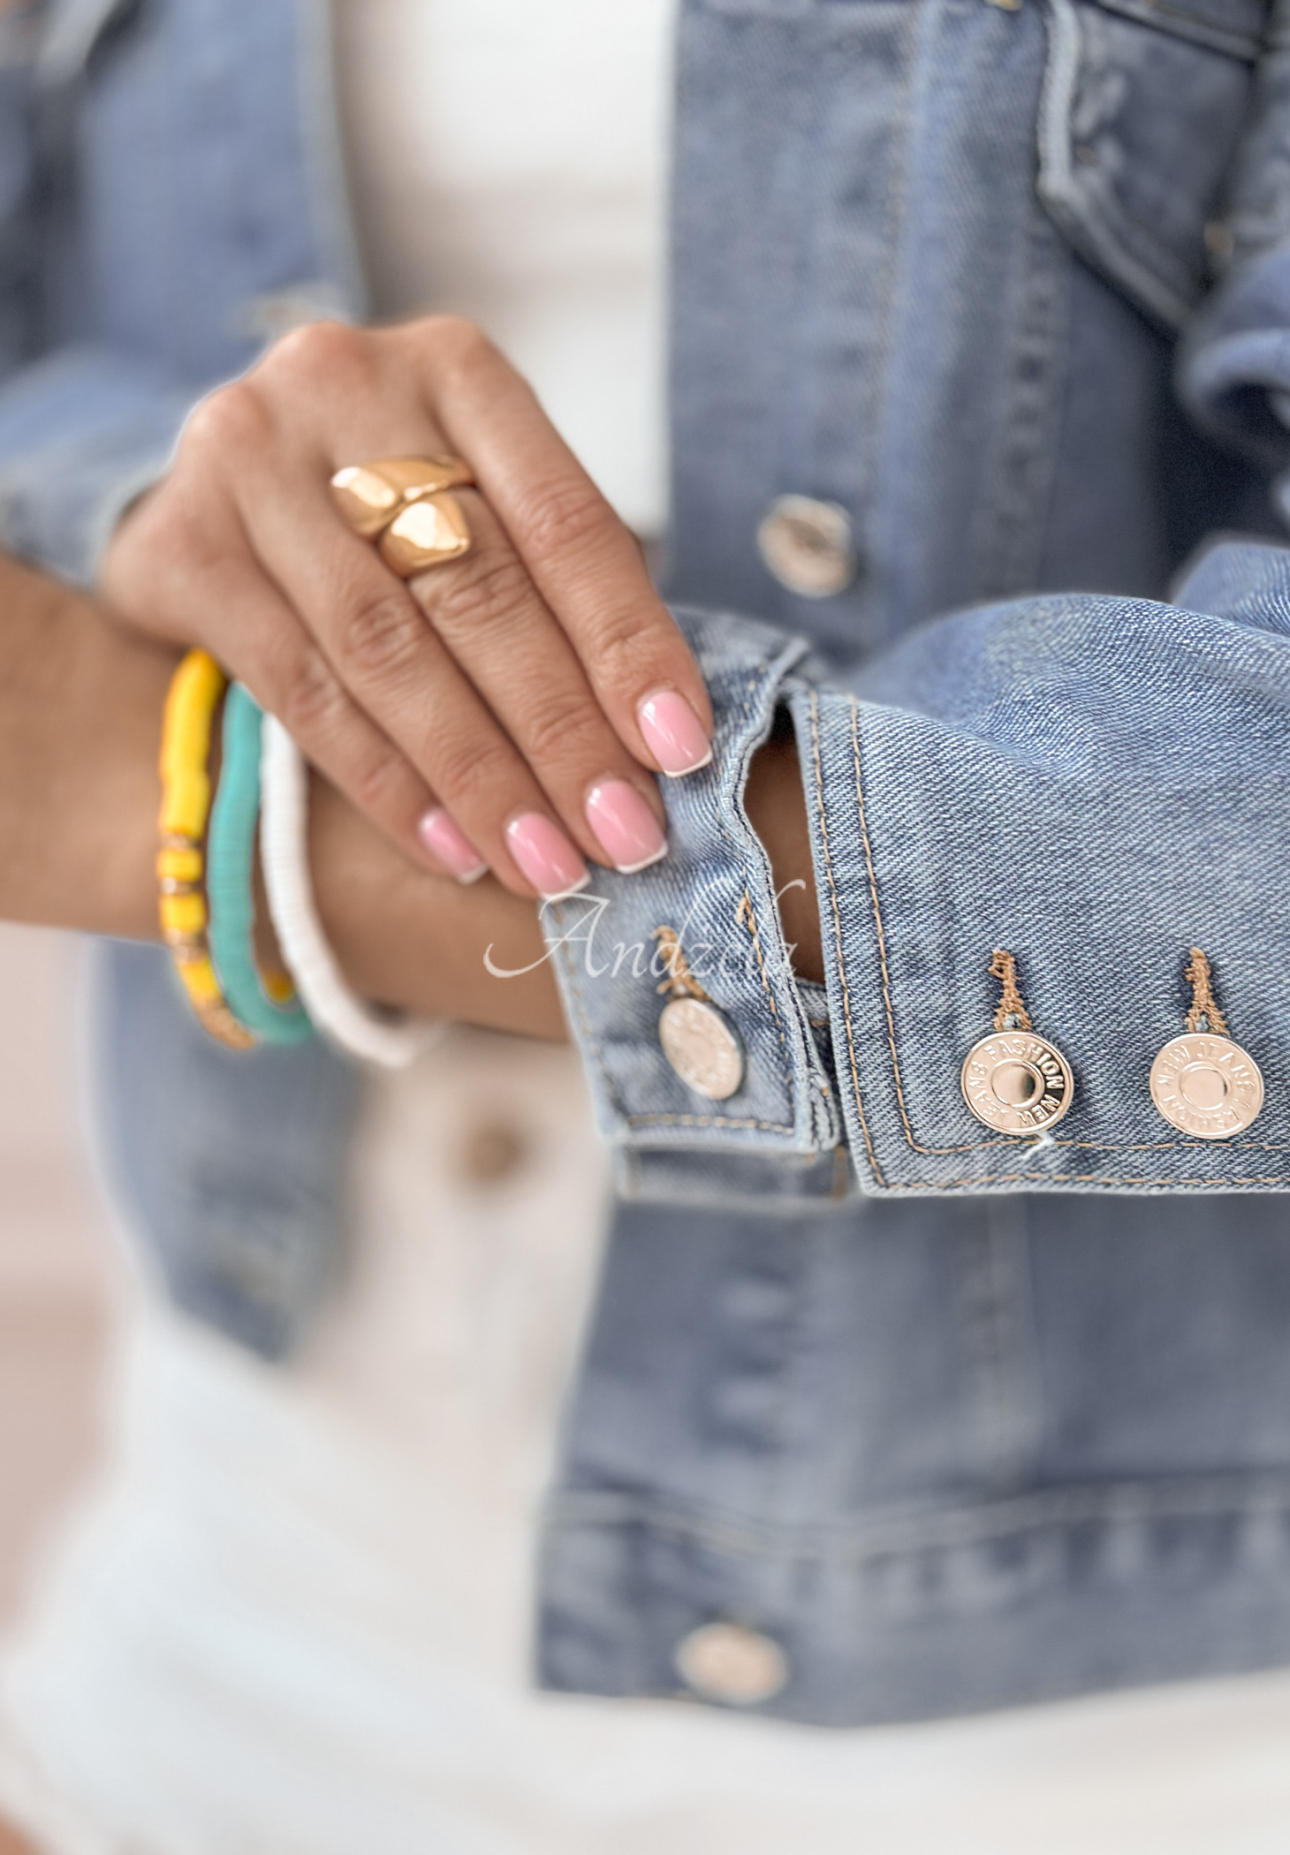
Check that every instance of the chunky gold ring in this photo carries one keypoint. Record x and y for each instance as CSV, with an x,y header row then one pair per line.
x,y
405,505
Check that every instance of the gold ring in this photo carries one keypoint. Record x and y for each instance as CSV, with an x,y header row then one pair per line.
x,y
405,505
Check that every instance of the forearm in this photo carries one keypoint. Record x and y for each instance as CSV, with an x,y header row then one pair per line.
x,y
776,807
406,938
80,709
80,718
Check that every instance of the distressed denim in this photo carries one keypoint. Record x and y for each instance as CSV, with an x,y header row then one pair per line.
x,y
958,1420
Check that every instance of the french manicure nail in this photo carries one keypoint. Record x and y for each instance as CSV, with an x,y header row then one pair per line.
x,y
626,827
674,733
546,856
443,840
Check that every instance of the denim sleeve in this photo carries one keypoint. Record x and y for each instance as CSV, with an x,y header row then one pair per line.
x,y
1234,361
1096,784
82,432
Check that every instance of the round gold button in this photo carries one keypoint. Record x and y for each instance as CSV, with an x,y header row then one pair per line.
x,y
1206,1086
730,1662
1017,1083
702,1047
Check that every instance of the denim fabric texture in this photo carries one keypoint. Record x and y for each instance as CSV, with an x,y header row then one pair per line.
x,y
1033,754
244,1208
958,1421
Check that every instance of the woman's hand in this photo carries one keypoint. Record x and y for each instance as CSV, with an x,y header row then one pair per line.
x,y
80,717
472,711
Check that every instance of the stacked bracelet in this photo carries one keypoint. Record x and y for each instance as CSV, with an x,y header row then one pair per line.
x,y
331,1004
194,692
267,1005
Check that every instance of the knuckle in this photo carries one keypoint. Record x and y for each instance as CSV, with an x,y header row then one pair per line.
x,y
312,702
561,731
376,780
229,421
471,769
484,593
320,355
456,341
380,634
625,646
563,518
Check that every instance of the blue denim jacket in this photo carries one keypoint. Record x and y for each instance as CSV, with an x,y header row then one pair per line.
x,y
956,1419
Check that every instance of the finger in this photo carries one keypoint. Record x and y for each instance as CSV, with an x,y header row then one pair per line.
x,y
392,665
499,630
583,560
207,588
262,643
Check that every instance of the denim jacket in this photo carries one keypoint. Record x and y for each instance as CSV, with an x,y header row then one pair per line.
x,y
946,1418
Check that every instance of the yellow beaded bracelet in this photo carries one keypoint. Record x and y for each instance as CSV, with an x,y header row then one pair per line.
x,y
194,692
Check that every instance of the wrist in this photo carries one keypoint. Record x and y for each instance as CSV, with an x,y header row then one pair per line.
x,y
776,807
408,939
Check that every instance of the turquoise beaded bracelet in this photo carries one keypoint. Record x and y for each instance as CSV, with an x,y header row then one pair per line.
x,y
230,859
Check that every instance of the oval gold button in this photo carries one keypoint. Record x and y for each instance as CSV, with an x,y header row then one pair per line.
x,y
807,546
731,1663
1206,1085
702,1048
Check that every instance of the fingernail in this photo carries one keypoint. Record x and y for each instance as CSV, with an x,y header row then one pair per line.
x,y
443,840
625,825
674,733
546,856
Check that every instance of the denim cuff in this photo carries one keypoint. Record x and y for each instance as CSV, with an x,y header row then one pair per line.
x,y
82,433
1019,777
773,1139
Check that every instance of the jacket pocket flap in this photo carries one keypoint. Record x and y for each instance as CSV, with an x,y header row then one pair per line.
x,y
1138,125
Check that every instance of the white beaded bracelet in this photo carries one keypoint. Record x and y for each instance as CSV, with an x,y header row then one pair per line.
x,y
336,1011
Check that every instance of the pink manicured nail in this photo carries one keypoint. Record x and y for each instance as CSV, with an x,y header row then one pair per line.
x,y
546,856
674,733
625,825
443,840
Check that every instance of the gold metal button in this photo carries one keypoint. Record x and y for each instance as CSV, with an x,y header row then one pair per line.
x,y
807,546
1206,1086
731,1663
1016,1082
1203,1083
700,1044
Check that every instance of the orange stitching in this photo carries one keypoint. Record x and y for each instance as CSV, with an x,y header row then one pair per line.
x,y
1011,1014
1204,1006
680,981
1097,1178
746,917
837,935
980,1145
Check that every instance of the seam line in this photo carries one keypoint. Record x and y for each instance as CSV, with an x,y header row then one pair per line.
x,y
837,937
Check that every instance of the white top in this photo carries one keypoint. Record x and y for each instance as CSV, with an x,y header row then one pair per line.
x,y
508,161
